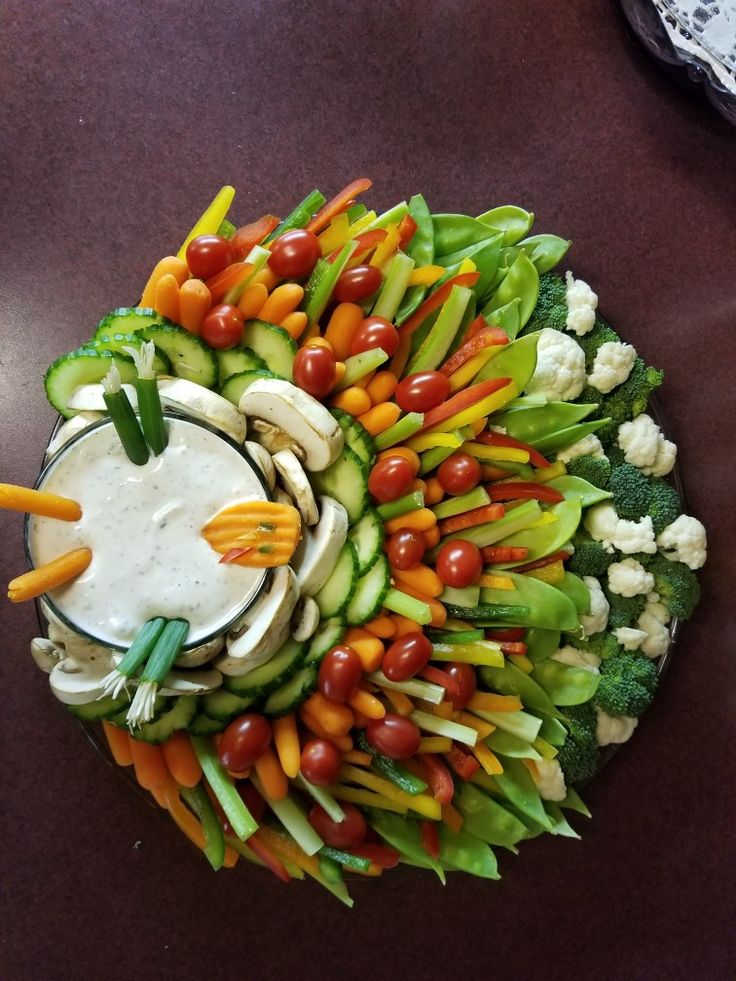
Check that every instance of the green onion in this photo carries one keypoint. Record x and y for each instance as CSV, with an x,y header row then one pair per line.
x,y
392,770
123,418
300,216
201,805
444,727
361,365
455,636
323,798
355,862
321,283
257,257
136,655
401,430
222,786
149,402
401,506
293,819
483,652
158,665
391,217
407,606
394,287
412,686
475,498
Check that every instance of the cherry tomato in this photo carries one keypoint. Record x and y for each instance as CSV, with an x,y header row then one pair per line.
x,y
244,741
294,254
207,255
343,834
339,674
459,563
405,549
223,326
406,656
375,332
464,676
459,473
314,370
321,762
423,391
357,284
394,736
390,478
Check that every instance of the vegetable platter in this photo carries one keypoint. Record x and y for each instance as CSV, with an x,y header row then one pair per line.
x,y
357,538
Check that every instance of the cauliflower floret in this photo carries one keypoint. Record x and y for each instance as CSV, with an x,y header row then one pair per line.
x,y
577,659
603,524
629,578
548,779
589,445
560,371
596,619
581,304
658,610
645,447
630,638
658,636
685,541
612,366
613,728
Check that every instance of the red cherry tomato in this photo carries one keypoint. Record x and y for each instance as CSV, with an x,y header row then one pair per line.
x,y
314,370
406,549
459,563
342,834
223,326
244,741
459,473
406,657
357,284
339,674
394,736
375,332
294,254
321,762
207,255
423,391
464,676
390,478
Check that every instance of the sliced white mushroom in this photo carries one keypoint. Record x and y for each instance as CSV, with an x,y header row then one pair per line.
x,y
76,683
305,619
69,429
315,558
264,628
273,439
281,497
295,483
262,459
302,419
200,655
191,682
46,653
200,403
89,398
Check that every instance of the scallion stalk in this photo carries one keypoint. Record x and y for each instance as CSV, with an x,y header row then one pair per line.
x,y
241,820
402,505
444,727
149,403
158,665
407,606
198,801
123,417
401,430
136,655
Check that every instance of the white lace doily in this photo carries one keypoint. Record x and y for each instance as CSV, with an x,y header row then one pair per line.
x,y
705,30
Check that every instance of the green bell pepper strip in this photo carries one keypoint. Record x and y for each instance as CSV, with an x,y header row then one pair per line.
x,y
574,587
492,616
541,643
392,769
521,724
506,317
300,216
565,685
506,744
527,420
516,784
455,636
514,222
394,287
404,835
517,360
329,868
509,680
487,819
421,250
466,853
198,801
360,365
546,606
566,437
354,862
409,424
240,818
546,539
575,488
401,506
545,251
321,283
474,498
560,824
454,233
573,802
433,349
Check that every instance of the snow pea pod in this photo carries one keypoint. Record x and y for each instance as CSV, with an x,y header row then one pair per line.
x,y
565,684
510,680
532,422
507,744
574,587
573,802
484,254
560,825
549,538
577,489
463,851
421,250
566,437
403,833
487,819
546,606
517,360
506,317
522,280
455,232
552,730
514,222
545,251
517,786
541,643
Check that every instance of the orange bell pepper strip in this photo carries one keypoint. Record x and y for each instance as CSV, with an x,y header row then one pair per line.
x,y
339,203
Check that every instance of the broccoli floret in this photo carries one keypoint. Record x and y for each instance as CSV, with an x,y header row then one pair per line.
x,y
664,504
627,400
636,496
627,685
595,469
676,584
589,558
624,610
603,645
551,306
579,754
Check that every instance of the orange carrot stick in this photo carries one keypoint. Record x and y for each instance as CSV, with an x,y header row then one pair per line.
x,y
181,760
149,764
267,277
283,300
286,740
357,757
166,297
401,703
271,775
169,265
119,742
15,498
228,279
195,301
253,298
49,576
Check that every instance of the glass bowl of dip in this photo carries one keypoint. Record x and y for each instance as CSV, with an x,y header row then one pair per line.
x,y
143,525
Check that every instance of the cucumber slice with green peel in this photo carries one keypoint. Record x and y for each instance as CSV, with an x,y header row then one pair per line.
x,y
347,481
337,592
269,676
179,716
116,342
224,705
103,708
84,366
356,436
120,719
367,536
127,320
370,592
271,343
236,359
236,384
203,725
290,696
190,357
329,634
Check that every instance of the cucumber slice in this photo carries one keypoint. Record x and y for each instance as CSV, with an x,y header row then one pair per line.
x,y
224,705
329,634
128,320
179,716
203,725
116,342
337,592
236,359
356,436
290,696
367,536
370,592
236,384
84,366
347,481
271,343
269,676
103,708
190,357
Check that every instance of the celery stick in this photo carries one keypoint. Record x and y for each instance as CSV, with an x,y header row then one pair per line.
x,y
520,724
437,342
391,217
412,687
394,287
482,652
466,596
400,431
323,798
293,819
407,606
257,257
240,818
300,216
321,283
401,506
475,498
361,365
444,727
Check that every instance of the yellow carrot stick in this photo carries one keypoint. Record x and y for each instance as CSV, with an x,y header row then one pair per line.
x,y
49,576
211,218
169,265
15,498
286,740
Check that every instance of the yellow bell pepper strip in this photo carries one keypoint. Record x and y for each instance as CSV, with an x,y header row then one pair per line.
x,y
360,224
551,573
49,576
421,803
428,441
366,798
484,701
211,218
491,581
487,759
386,248
426,275
15,498
464,375
492,403
545,474
434,744
492,438
336,234
483,452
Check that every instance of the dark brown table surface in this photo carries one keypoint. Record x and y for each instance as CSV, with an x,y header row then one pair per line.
x,y
119,121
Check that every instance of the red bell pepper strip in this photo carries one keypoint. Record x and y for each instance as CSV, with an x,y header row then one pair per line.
x,y
430,838
487,337
462,762
463,400
383,855
513,647
233,554
367,241
268,858
547,560
247,236
437,776
475,327
437,677
522,490
506,634
226,280
407,227
338,204
491,438
503,553
468,519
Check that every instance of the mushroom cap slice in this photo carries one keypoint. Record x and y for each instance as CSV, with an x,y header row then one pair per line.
x,y
72,427
200,655
262,459
302,418
315,558
46,653
200,403
77,683
191,682
295,482
305,620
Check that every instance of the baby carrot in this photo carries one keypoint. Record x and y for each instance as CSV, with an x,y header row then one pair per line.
x,y
382,627
382,386
195,301
14,498
370,652
421,520
149,764
267,277
362,701
405,626
344,322
166,297
434,491
353,400
271,775
421,577
49,576
252,300
286,741
170,265
119,742
318,341
431,536
380,417
404,452
343,743
339,372
335,719
282,301
294,324
182,760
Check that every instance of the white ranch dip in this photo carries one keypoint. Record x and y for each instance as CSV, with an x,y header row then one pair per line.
x,y
143,525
